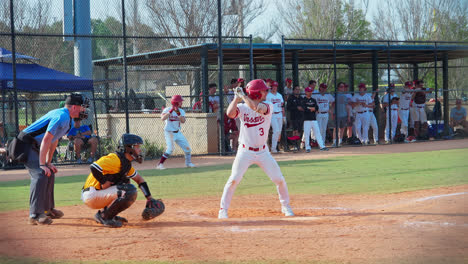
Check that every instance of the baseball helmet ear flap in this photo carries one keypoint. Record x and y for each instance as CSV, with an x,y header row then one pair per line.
x,y
255,87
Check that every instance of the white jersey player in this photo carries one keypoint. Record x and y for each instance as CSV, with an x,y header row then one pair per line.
x,y
404,108
278,112
324,102
372,120
393,108
174,116
255,115
362,102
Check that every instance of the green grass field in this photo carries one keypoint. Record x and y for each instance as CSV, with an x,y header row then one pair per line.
x,y
384,173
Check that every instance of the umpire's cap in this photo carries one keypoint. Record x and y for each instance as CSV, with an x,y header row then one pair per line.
x,y
77,99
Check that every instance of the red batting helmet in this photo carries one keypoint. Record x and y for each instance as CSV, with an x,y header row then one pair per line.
x,y
255,87
176,99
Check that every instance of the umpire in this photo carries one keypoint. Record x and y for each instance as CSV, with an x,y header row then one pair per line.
x,y
46,133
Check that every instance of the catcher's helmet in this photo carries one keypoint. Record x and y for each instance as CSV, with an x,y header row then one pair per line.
x,y
255,87
176,99
126,143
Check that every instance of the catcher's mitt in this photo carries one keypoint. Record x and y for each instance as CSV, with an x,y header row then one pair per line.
x,y
153,209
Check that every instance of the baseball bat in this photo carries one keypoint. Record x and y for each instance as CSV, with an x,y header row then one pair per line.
x,y
162,96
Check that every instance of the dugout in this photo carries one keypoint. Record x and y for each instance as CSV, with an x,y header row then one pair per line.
x,y
338,54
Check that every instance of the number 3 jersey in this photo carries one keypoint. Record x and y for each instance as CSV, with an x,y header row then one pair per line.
x,y
254,126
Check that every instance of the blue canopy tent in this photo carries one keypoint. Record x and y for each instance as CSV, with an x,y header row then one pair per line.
x,y
40,79
6,56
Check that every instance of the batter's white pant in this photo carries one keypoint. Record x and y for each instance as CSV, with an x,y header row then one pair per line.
x,y
276,125
362,126
394,117
98,199
374,125
178,138
312,126
404,114
242,162
322,120
420,113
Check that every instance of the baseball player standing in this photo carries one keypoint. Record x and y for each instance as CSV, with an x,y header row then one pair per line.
x,y
278,112
324,100
174,116
362,102
393,107
255,115
404,108
419,104
311,108
372,120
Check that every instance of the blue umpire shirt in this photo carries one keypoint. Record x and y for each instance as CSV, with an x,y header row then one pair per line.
x,y
57,122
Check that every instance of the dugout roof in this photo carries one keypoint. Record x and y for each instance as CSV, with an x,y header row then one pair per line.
x,y
236,54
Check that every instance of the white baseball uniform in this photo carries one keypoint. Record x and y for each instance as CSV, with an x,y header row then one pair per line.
x,y
373,122
362,116
403,112
173,134
277,118
254,150
393,116
323,102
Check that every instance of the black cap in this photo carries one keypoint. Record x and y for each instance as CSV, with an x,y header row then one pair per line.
x,y
76,99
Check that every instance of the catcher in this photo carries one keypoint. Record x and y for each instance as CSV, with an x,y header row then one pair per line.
x,y
108,185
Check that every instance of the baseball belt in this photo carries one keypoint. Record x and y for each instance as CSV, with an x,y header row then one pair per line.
x,y
254,149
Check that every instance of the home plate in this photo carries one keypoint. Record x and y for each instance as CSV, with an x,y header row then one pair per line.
x,y
301,218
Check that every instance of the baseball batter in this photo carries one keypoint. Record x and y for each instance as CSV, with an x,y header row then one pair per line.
x,y
362,102
255,115
277,119
324,101
174,116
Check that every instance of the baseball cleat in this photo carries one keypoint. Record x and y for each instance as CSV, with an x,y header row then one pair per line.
x,y
41,219
376,142
324,149
190,165
307,150
223,214
160,167
274,151
55,214
287,211
121,219
107,222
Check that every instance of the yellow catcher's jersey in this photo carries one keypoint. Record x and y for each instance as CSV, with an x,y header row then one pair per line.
x,y
109,164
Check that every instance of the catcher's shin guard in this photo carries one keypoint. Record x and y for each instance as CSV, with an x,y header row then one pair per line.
x,y
126,196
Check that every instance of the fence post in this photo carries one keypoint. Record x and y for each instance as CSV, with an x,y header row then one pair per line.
x,y
124,36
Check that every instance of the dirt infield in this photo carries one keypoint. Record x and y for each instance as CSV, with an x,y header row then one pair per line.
x,y
426,226
417,227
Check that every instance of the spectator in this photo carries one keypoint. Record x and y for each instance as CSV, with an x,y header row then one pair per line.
x,y
419,104
80,135
288,90
343,115
199,104
277,118
324,100
393,106
231,133
297,112
361,102
458,115
312,85
213,99
311,108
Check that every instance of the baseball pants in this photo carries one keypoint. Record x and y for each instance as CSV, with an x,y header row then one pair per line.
x,y
322,120
98,199
420,113
394,117
312,125
276,125
404,114
362,126
41,192
178,138
374,125
242,162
